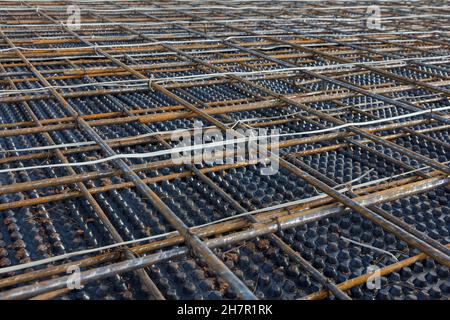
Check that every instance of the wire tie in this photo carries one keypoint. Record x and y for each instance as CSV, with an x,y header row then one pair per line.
x,y
188,243
235,124
77,121
349,187
150,83
122,251
277,221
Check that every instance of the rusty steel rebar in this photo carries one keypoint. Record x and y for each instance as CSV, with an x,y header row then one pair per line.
x,y
287,66
258,230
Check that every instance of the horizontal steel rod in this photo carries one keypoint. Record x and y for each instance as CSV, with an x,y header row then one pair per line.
x,y
259,229
199,248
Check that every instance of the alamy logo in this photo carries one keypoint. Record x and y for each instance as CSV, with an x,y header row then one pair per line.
x,y
74,280
213,147
74,17
374,19
374,280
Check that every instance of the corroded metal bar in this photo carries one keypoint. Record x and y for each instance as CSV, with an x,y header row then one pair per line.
x,y
374,217
198,246
259,229
140,273
112,47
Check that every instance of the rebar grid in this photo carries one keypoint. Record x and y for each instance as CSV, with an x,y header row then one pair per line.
x,y
363,180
